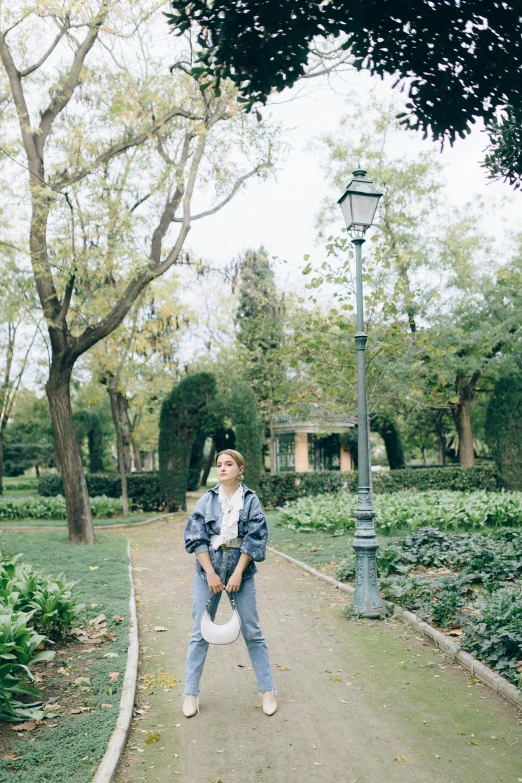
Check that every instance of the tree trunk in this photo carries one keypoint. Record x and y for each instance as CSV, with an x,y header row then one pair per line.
x,y
79,517
465,433
137,454
122,442
385,425
208,464
442,448
461,416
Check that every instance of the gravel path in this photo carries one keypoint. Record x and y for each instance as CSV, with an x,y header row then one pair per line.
x,y
361,701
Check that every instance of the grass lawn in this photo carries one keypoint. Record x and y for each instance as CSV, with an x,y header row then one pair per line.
x,y
139,516
69,748
313,548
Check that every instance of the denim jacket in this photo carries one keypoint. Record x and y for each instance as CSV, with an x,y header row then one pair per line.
x,y
205,521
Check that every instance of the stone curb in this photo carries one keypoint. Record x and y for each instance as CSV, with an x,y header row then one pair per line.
x,y
109,763
51,528
479,670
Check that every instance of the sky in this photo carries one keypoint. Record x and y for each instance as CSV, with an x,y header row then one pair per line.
x,y
280,213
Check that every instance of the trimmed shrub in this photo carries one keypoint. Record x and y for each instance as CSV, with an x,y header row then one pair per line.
x,y
504,429
182,415
143,488
276,489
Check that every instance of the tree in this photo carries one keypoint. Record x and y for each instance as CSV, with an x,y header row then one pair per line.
x,y
107,185
181,417
503,429
259,324
248,429
29,436
457,60
17,336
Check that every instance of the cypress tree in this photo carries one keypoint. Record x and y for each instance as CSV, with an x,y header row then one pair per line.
x,y
182,415
504,429
259,324
248,429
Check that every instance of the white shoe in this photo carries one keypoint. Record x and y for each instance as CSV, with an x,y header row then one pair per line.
x,y
190,705
269,702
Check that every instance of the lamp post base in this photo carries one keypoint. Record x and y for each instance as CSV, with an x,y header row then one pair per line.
x,y
366,600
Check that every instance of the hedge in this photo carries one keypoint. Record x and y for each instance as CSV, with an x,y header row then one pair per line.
x,y
279,488
143,488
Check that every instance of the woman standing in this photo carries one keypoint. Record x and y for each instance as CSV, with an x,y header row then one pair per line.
x,y
227,532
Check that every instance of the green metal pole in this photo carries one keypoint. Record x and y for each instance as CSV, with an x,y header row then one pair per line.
x,y
367,600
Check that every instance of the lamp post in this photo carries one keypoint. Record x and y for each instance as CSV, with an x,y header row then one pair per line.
x,y
358,205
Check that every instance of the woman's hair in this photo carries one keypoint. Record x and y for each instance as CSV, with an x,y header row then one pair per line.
x,y
236,456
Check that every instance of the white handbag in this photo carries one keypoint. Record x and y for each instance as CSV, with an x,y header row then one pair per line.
x,y
224,633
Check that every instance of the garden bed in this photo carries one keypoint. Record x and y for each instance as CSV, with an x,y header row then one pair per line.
x,y
76,685
467,584
133,518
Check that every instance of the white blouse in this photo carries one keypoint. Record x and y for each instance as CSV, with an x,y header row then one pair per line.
x,y
231,511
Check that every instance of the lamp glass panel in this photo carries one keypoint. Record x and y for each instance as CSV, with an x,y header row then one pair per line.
x,y
363,208
346,208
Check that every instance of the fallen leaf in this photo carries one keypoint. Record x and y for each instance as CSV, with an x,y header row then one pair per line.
x,y
50,706
455,632
11,757
117,618
93,606
93,568
159,628
27,726
318,764
79,680
111,655
336,679
220,751
343,701
177,725
152,737
98,620
114,676
284,668
107,706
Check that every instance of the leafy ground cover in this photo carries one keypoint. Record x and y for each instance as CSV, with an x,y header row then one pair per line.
x,y
82,685
401,511
138,516
53,507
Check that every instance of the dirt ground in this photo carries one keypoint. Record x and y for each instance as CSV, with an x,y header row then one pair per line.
x,y
359,700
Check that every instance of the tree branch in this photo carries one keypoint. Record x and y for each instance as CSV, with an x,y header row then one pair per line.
x,y
66,303
225,201
122,146
64,93
47,54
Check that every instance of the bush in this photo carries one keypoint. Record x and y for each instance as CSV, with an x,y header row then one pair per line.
x,y
143,488
278,488
406,510
495,637
54,507
29,603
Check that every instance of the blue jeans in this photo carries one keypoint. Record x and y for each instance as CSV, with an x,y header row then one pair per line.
x,y
245,599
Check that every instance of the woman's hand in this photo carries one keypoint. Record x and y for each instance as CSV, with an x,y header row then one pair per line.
x,y
215,585
234,583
